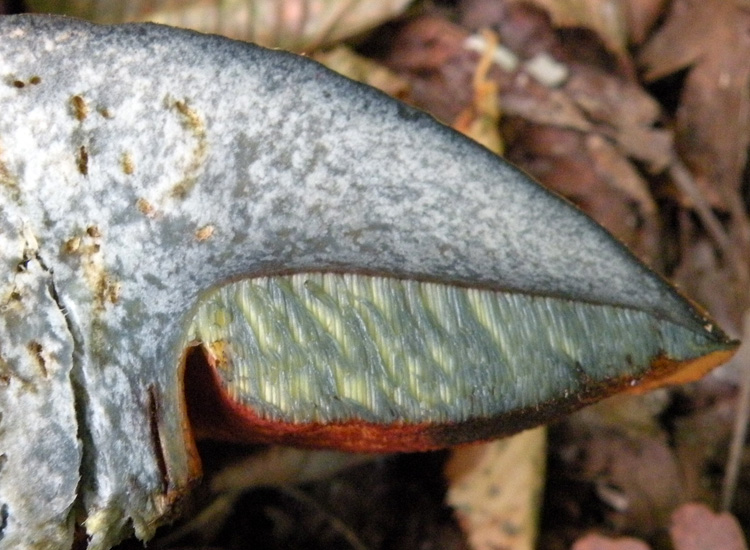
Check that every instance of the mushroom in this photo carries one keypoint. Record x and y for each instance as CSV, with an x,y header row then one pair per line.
x,y
308,260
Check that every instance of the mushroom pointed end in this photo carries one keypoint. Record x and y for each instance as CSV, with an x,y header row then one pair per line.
x,y
668,372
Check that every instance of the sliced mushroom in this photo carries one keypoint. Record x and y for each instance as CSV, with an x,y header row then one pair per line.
x,y
336,269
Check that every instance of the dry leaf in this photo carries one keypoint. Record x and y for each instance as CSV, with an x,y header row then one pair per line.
x,y
496,489
619,454
642,15
346,61
624,112
299,25
702,433
588,170
695,527
598,542
608,18
618,22
614,168
526,29
703,275
429,52
596,92
712,39
537,103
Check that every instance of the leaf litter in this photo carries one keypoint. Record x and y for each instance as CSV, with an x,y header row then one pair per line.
x,y
604,101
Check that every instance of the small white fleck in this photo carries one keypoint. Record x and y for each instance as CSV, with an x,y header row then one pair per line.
x,y
547,70
502,56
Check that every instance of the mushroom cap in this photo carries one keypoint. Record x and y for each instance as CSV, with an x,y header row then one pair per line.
x,y
144,168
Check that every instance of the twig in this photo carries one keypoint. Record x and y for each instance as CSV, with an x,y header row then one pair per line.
x,y
738,261
685,182
336,523
739,433
740,220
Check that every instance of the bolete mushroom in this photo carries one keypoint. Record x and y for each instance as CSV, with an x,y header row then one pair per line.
x,y
343,270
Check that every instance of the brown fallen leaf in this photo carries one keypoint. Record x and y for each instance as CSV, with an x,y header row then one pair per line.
x,y
619,22
618,455
642,16
711,38
346,61
495,489
695,527
536,103
299,25
429,52
591,172
526,29
599,542
701,433
704,275
608,18
624,112
622,175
